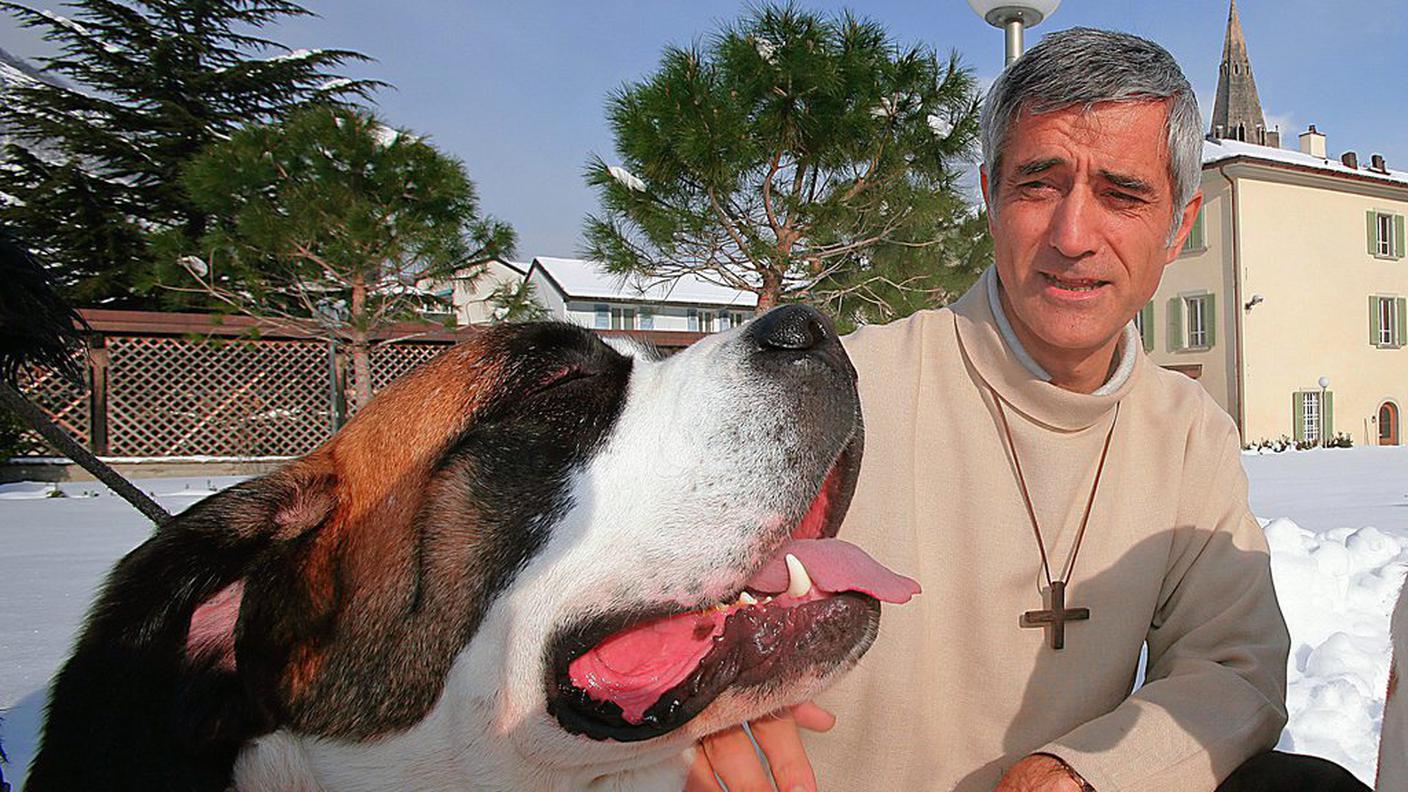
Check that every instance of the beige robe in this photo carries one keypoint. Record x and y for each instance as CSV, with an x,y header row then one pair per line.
x,y
954,691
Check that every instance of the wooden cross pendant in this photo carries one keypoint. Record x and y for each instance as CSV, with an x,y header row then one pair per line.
x,y
1055,617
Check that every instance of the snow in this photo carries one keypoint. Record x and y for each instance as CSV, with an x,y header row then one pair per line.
x,y
1215,151
65,22
625,177
294,55
938,125
581,279
1336,521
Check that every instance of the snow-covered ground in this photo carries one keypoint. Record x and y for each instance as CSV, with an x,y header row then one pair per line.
x,y
1337,521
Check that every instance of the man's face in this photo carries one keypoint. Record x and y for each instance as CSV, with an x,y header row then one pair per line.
x,y
1080,228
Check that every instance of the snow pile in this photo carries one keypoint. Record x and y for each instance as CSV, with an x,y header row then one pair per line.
x,y
1337,590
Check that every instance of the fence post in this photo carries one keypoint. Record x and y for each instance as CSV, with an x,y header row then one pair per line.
x,y
98,363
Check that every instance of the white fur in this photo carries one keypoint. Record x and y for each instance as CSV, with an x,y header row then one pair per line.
x,y
1393,739
701,435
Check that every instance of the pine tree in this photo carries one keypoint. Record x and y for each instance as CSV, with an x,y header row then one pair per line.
x,y
796,157
330,219
94,161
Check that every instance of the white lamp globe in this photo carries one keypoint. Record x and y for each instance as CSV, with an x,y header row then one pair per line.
x,y
1324,382
999,12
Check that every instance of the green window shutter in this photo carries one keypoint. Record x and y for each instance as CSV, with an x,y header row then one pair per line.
x,y
1175,324
1146,323
1327,419
1398,236
1210,319
1370,218
1402,305
1298,415
1373,321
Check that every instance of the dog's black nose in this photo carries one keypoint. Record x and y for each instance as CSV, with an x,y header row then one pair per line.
x,y
793,328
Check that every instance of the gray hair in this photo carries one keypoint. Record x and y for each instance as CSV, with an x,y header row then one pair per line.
x,y
1084,66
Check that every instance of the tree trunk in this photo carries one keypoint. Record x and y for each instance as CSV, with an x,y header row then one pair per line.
x,y
361,369
361,358
771,293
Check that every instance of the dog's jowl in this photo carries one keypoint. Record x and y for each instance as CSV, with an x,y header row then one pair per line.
x,y
541,561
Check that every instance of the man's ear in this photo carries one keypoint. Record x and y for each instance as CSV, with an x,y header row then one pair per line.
x,y
1190,216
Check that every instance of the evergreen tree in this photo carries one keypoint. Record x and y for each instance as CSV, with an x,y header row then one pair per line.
x,y
797,157
93,165
329,219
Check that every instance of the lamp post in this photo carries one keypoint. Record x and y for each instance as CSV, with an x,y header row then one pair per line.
x,y
1324,384
1014,16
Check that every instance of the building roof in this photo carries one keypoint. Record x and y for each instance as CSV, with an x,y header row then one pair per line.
x,y
1218,151
589,280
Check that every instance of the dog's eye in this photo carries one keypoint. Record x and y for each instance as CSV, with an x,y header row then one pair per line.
x,y
562,376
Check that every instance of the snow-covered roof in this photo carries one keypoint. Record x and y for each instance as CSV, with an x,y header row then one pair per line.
x,y
1215,151
581,279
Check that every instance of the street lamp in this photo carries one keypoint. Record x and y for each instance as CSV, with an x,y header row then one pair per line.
x,y
1014,16
1324,384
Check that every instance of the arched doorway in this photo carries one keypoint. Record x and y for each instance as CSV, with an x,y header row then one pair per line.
x,y
1388,424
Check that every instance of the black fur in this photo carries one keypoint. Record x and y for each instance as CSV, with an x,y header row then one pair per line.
x,y
37,328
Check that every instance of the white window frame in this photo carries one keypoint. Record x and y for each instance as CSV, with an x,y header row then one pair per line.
x,y
623,318
706,321
1388,330
1384,235
1310,416
1195,339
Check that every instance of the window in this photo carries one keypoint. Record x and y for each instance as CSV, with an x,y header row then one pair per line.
x,y
647,319
739,317
1195,241
1196,309
623,318
1313,415
1192,322
693,317
602,319
1388,321
1310,416
1385,232
706,322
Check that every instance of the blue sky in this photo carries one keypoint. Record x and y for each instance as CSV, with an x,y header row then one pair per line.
x,y
516,88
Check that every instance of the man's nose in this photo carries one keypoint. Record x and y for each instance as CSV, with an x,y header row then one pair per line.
x,y
1076,224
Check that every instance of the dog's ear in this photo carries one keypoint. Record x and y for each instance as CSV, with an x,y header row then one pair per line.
x,y
151,692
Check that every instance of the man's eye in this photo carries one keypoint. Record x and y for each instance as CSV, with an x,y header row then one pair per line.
x,y
1126,198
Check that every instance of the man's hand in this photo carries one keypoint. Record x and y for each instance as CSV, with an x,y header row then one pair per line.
x,y
730,754
1040,773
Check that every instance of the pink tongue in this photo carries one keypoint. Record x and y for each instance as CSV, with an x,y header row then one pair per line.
x,y
636,666
835,566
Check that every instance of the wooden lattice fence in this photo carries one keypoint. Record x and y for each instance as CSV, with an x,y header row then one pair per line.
x,y
183,385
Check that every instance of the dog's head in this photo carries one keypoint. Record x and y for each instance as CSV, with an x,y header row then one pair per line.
x,y
579,542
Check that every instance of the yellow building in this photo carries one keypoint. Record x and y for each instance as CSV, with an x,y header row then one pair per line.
x,y
1288,301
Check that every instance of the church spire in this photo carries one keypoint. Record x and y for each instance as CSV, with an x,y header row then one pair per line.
x,y
1236,114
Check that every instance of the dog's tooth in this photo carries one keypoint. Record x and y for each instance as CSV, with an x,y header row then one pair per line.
x,y
798,581
747,599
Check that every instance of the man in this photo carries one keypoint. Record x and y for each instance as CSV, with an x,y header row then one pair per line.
x,y
1062,500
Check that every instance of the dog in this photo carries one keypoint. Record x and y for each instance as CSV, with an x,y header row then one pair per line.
x,y
1393,737
540,561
